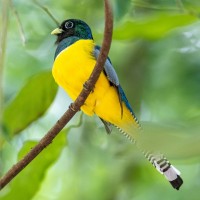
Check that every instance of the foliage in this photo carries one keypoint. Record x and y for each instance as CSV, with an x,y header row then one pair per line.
x,y
155,52
37,96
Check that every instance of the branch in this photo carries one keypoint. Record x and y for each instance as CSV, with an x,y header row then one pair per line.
x,y
46,10
21,29
67,116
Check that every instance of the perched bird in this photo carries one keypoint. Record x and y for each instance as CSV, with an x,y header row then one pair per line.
x,y
75,58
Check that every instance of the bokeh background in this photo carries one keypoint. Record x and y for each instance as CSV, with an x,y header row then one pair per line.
x,y
156,53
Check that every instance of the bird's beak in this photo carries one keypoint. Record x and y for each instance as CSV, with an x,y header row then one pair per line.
x,y
56,31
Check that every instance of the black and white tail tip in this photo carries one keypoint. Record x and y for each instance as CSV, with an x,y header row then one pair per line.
x,y
161,164
165,168
172,175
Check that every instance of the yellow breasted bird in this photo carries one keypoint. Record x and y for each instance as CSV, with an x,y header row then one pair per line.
x,y
75,58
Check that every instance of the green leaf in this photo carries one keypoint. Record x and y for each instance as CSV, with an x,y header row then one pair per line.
x,y
153,28
28,182
30,103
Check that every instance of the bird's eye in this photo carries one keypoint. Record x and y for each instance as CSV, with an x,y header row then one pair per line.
x,y
69,25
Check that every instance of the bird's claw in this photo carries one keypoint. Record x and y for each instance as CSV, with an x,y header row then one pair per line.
x,y
87,87
72,107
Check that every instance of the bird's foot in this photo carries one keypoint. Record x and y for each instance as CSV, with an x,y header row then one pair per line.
x,y
87,87
71,106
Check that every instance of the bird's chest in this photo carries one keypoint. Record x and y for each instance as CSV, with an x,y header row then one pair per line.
x,y
73,66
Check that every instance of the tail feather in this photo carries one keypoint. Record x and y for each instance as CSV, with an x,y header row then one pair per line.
x,y
160,163
177,182
165,168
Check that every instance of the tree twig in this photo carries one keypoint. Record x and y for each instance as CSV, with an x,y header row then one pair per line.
x,y
21,29
47,11
78,124
67,116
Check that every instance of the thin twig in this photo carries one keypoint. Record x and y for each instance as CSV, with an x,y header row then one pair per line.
x,y
78,124
53,132
46,10
21,29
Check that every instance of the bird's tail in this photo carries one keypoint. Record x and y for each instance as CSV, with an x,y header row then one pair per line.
x,y
164,167
160,163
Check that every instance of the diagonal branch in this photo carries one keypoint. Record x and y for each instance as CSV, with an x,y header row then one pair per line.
x,y
67,116
21,29
46,10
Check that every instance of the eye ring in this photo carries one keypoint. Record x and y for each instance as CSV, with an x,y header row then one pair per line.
x,y
69,25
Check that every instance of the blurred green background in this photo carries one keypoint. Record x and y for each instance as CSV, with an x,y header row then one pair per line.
x,y
155,51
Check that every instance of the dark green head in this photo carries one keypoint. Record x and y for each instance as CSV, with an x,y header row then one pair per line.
x,y
72,27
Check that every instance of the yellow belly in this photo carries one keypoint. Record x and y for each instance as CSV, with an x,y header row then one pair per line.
x,y
72,68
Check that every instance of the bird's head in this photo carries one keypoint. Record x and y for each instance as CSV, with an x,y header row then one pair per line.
x,y
72,27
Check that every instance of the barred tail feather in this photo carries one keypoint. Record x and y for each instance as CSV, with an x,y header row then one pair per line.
x,y
165,168
160,163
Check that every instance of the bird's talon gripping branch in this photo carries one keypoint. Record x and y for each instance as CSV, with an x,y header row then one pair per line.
x,y
87,87
71,106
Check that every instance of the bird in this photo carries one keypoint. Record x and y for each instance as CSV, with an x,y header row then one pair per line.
x,y
75,57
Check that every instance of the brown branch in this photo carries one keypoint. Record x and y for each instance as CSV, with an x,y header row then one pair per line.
x,y
53,132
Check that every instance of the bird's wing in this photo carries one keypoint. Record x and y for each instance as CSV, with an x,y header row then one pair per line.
x,y
113,79
108,68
